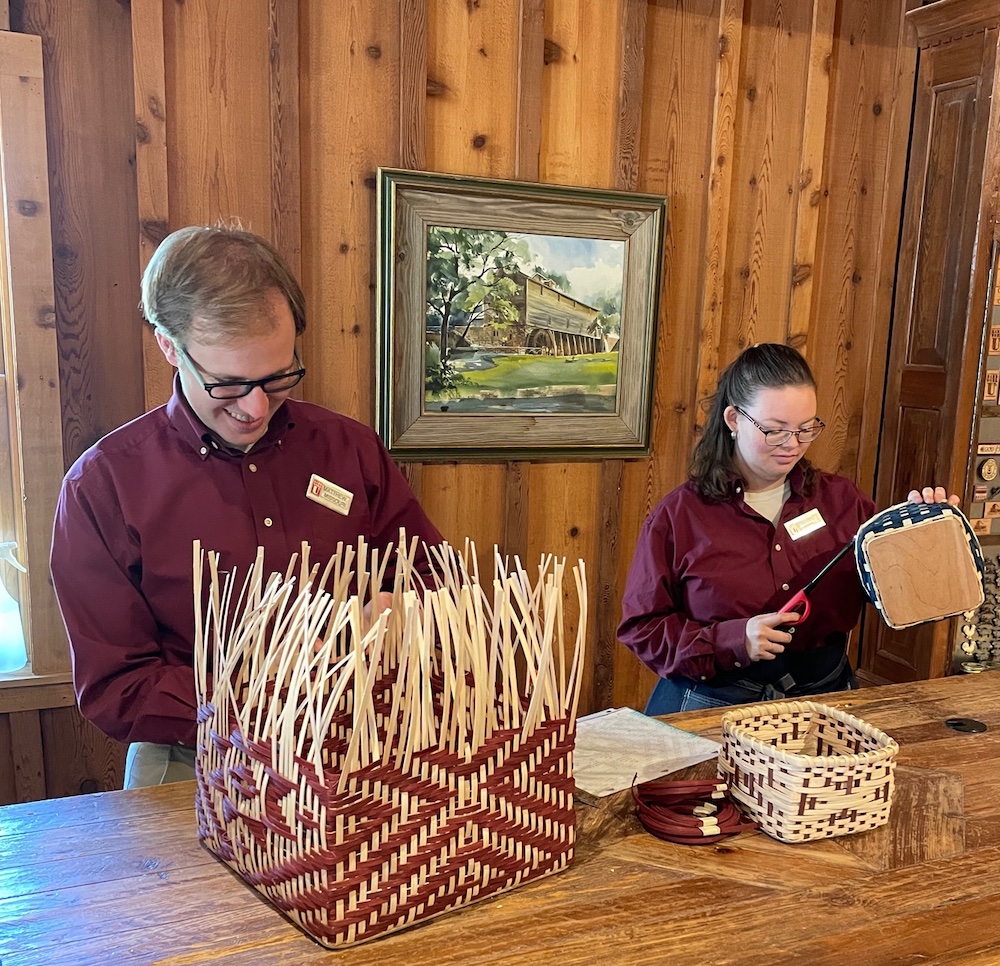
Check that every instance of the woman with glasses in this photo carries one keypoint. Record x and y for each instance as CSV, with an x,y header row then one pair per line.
x,y
720,555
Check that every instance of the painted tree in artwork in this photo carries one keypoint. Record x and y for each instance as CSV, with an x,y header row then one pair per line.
x,y
467,271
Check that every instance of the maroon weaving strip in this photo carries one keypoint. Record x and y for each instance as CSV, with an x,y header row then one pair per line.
x,y
668,810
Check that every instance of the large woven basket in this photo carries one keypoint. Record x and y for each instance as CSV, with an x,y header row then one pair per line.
x,y
807,771
364,778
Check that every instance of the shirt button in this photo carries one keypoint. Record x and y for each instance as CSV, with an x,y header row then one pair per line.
x,y
784,586
777,546
737,664
253,469
268,521
703,678
204,450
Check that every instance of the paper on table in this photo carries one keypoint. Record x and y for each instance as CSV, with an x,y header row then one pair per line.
x,y
614,746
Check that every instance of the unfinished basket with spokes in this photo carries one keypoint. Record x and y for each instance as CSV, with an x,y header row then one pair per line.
x,y
806,771
367,771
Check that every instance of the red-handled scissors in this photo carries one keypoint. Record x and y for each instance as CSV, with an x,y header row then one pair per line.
x,y
800,602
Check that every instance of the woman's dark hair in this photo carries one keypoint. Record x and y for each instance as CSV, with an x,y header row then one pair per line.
x,y
767,365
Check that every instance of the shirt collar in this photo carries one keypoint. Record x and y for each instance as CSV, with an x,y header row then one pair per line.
x,y
196,435
737,485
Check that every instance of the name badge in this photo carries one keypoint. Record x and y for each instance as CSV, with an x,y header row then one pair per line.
x,y
333,497
807,522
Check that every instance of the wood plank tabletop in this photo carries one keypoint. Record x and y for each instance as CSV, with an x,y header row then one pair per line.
x,y
120,877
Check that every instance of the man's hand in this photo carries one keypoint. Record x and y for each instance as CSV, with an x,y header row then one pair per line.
x,y
384,601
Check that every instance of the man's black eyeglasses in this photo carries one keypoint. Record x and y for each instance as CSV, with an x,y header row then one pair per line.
x,y
775,437
237,388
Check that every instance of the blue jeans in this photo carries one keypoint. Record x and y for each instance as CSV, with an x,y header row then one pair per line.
x,y
681,694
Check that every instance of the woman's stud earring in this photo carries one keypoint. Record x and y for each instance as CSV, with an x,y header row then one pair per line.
x,y
733,434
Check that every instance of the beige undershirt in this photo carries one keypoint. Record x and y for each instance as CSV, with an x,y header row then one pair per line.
x,y
768,503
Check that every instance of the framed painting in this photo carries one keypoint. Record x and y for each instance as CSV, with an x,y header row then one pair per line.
x,y
516,320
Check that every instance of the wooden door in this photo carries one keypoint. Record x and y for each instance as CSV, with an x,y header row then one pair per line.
x,y
938,315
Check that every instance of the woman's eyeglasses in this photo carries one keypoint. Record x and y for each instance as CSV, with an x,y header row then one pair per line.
x,y
775,437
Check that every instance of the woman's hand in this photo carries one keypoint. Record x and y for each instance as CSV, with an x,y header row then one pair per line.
x,y
764,641
932,494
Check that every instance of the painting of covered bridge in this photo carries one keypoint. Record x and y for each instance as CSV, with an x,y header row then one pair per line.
x,y
501,303
549,322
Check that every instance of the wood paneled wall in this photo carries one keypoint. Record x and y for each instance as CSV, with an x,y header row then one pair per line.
x,y
777,130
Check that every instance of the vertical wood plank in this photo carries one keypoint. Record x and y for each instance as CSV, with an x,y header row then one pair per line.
x,y
809,194
530,72
582,85
609,502
413,473
474,54
4,14
79,759
27,755
8,790
350,123
149,88
891,111
632,62
691,65
530,68
770,108
286,178
218,92
412,125
563,520
516,502
91,143
412,82
607,596
866,149
719,196
594,63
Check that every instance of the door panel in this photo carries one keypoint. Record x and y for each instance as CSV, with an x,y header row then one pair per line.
x,y
935,335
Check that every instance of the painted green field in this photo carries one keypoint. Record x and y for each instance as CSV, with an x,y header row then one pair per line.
x,y
513,372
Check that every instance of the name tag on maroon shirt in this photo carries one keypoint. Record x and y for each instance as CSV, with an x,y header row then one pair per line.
x,y
329,494
805,523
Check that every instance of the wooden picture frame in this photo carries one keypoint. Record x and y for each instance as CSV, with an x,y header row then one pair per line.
x,y
516,320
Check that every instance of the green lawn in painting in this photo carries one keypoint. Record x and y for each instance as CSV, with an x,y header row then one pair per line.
x,y
513,372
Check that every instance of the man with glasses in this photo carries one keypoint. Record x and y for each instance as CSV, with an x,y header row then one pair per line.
x,y
231,461
721,555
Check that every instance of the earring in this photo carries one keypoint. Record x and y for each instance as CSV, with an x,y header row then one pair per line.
x,y
733,434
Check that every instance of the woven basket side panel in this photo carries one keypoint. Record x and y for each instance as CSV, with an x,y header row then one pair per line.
x,y
397,845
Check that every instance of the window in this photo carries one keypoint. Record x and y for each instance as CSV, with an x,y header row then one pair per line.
x,y
31,460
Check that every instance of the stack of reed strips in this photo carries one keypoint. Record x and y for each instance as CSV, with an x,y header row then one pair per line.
x,y
807,771
368,767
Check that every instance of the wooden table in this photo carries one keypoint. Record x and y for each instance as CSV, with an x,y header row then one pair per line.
x,y
120,877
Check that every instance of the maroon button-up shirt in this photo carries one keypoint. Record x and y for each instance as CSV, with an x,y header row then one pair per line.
x,y
130,508
701,570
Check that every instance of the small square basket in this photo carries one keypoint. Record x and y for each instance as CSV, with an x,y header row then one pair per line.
x,y
806,771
